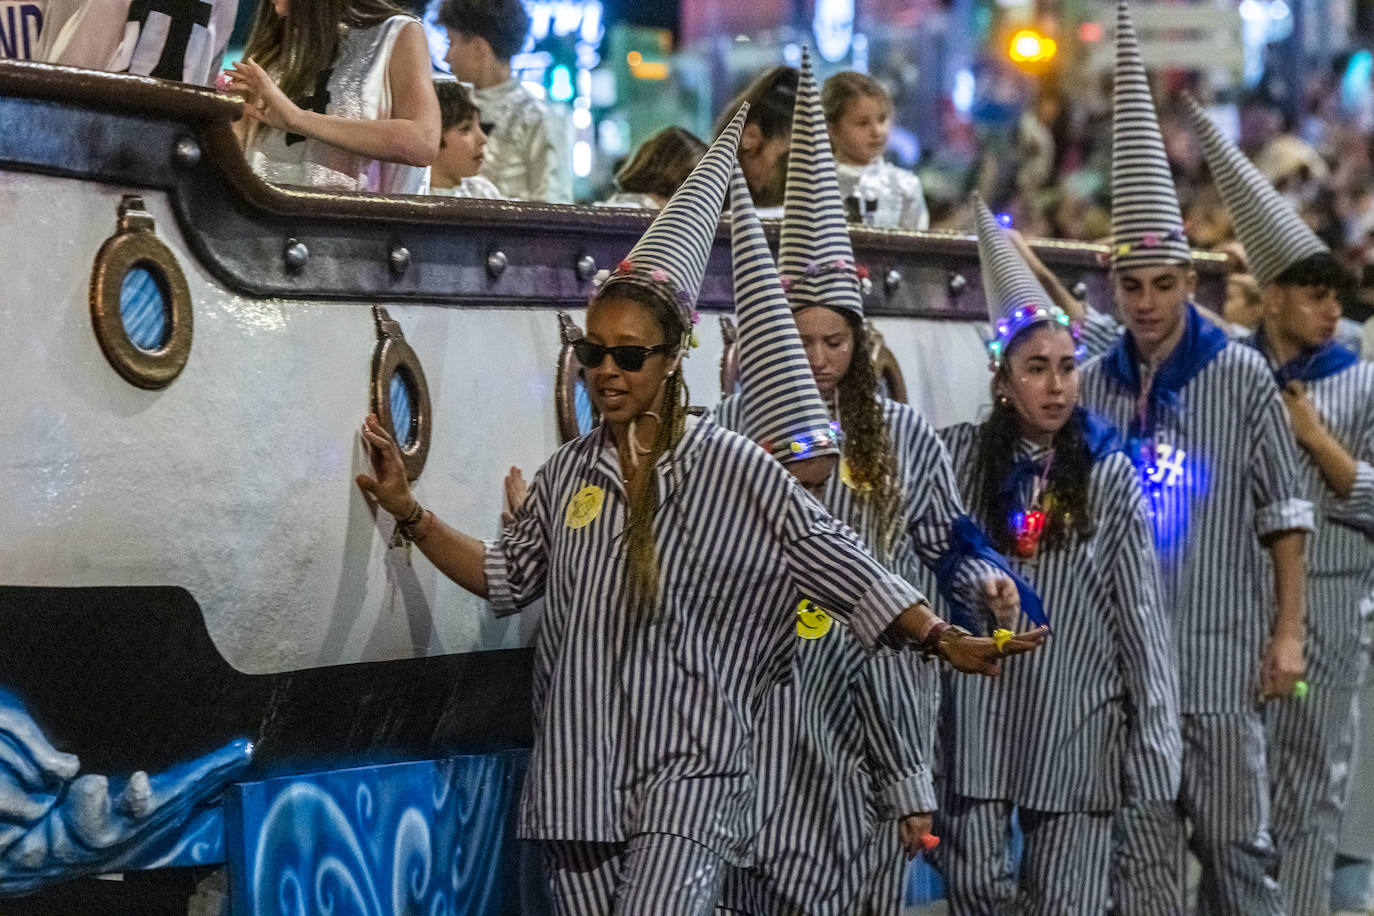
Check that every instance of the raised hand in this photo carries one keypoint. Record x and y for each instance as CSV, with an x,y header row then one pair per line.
x,y
389,486
264,100
515,493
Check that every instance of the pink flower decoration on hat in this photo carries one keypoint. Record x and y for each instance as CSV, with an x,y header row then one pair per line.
x,y
658,275
696,316
1150,240
786,283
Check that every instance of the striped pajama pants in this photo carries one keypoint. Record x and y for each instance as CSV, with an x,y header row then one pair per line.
x,y
1064,865
1225,794
654,874
1310,745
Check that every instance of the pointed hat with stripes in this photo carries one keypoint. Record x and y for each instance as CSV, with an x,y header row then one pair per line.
x,y
1147,226
1015,299
1274,235
670,257
783,410
815,257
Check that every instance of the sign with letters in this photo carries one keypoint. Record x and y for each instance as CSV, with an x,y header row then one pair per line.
x,y
21,22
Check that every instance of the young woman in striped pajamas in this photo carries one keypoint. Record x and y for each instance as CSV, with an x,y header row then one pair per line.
x,y
1218,462
670,554
845,783
1065,738
1330,398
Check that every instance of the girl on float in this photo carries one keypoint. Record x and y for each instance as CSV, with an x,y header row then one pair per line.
x,y
846,792
1066,738
657,541
339,95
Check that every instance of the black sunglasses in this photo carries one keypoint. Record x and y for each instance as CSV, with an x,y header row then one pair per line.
x,y
628,358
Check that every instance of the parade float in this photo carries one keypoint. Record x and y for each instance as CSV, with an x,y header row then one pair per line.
x,y
215,656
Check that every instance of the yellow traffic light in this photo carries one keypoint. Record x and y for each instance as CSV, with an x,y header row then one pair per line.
x,y
1029,46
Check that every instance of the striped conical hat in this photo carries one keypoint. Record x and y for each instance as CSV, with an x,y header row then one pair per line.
x,y
1015,299
783,410
1147,227
1274,235
670,257
815,257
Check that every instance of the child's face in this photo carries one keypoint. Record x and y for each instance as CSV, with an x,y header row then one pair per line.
x,y
860,134
461,148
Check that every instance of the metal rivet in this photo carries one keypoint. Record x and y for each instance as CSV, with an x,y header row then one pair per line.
x,y
399,260
295,255
893,281
866,286
586,267
496,264
1080,290
957,284
187,151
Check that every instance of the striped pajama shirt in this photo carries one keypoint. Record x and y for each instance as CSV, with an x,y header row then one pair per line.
x,y
1068,734
644,719
846,743
1226,477
1311,739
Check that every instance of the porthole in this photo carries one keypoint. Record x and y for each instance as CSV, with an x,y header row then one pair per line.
x,y
140,303
400,394
575,413
729,357
891,383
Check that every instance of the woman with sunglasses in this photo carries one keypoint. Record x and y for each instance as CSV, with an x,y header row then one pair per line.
x,y
1066,737
655,541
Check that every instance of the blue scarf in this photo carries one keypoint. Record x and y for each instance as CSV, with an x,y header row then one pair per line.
x,y
1200,344
1101,437
967,541
1328,359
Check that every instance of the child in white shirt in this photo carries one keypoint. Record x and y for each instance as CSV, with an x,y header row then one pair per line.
x,y
461,146
858,112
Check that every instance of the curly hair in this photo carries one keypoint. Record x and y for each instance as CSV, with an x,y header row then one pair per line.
x,y
868,450
641,580
503,23
1065,500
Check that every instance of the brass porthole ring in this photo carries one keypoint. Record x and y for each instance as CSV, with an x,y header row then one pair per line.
x,y
140,303
568,381
400,393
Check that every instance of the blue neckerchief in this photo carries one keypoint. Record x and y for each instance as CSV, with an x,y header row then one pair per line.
x,y
967,541
1328,359
1101,437
1200,344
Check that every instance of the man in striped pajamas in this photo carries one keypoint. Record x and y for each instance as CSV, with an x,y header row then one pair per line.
x,y
1210,436
1330,398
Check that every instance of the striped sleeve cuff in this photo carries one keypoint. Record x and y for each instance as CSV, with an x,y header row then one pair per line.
x,y
884,601
499,592
1357,509
914,794
1100,332
1285,515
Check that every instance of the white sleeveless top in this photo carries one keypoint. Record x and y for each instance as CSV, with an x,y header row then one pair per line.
x,y
357,88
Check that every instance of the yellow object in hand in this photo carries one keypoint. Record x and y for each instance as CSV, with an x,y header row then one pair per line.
x,y
1001,636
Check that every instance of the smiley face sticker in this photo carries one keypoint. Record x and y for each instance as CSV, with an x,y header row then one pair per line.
x,y
584,507
812,620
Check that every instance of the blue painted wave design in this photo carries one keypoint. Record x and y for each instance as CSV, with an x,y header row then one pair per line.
x,y
430,838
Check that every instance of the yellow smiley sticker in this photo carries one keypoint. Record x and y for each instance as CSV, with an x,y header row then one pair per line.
x,y
848,479
584,507
812,620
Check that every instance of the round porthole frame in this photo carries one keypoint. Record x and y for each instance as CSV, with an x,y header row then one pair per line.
x,y
885,366
135,245
567,372
394,355
729,356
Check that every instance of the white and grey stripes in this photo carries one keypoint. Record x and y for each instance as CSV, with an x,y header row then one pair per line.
x,y
644,718
1147,226
1091,721
1008,283
1274,235
783,410
1225,476
815,257
671,255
